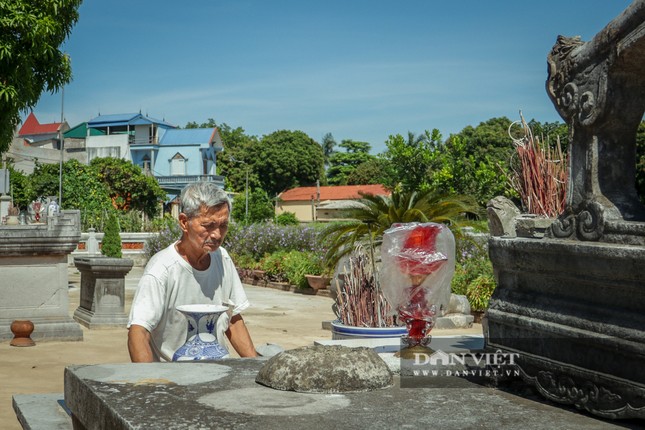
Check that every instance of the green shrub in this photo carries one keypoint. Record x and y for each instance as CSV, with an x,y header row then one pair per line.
x,y
244,261
479,292
130,221
474,276
163,223
287,218
297,264
111,244
272,265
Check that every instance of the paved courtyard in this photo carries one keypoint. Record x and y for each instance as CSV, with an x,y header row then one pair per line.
x,y
284,318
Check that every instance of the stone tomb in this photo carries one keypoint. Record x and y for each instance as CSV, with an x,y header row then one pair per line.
x,y
34,284
572,303
225,395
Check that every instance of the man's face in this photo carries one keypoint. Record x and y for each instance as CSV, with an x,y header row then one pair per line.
x,y
205,232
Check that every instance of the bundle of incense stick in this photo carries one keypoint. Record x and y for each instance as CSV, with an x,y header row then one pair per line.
x,y
360,302
541,179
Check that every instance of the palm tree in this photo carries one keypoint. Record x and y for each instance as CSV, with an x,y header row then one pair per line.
x,y
377,213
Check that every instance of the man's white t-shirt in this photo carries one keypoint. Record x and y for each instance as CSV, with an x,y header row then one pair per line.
x,y
169,281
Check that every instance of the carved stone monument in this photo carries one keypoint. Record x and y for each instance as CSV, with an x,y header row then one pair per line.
x,y
102,303
33,263
573,302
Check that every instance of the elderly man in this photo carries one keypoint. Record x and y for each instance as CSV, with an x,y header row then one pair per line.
x,y
195,269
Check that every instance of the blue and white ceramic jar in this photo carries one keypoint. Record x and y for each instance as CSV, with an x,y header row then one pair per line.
x,y
201,340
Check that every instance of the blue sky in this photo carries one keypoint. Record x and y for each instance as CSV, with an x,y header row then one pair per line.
x,y
359,69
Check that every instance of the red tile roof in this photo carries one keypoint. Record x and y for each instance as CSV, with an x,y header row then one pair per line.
x,y
341,192
32,126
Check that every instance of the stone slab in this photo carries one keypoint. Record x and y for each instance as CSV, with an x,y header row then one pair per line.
x,y
42,412
225,395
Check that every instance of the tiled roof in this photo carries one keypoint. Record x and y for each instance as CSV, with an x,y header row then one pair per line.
x,y
31,126
122,119
341,192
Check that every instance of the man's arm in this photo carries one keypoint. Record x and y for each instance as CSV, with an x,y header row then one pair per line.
x,y
139,344
240,338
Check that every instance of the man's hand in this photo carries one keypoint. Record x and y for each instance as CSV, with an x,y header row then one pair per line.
x,y
139,344
240,338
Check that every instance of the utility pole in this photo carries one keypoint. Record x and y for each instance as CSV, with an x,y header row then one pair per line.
x,y
61,139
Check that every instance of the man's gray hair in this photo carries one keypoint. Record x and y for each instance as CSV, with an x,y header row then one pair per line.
x,y
199,194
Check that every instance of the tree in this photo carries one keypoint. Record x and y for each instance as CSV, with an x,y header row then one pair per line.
x,y
286,159
111,243
127,185
30,59
411,159
328,144
490,138
373,171
341,164
20,186
82,189
475,162
210,123
260,207
378,213
236,158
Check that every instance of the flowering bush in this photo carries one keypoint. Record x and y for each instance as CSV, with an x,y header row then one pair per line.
x,y
168,234
258,240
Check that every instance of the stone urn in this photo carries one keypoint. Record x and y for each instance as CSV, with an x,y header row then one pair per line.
x,y
22,330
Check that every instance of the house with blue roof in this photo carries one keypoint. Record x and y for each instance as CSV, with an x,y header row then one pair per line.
x,y
175,157
117,132
181,157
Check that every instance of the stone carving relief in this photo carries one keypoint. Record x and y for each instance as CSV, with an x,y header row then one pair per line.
x,y
584,394
598,87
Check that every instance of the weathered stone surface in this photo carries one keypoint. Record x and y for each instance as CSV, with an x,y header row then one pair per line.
x,y
574,310
458,304
208,396
326,369
501,216
102,302
528,225
598,88
571,304
33,261
453,321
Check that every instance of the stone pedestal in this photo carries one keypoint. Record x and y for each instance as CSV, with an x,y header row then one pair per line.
x,y
102,291
574,313
33,261
5,201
